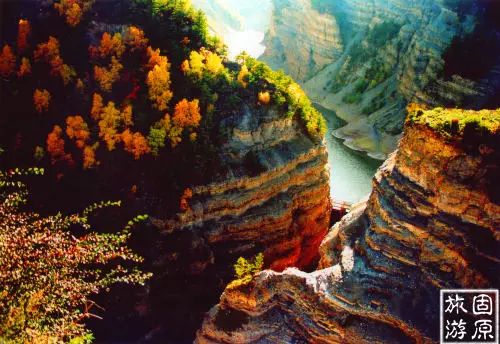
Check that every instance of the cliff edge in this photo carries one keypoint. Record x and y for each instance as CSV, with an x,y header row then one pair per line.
x,y
431,222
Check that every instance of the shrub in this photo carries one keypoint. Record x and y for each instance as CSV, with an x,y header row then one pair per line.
x,y
244,270
48,272
456,122
352,98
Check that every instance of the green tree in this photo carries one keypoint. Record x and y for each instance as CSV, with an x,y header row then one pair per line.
x,y
244,270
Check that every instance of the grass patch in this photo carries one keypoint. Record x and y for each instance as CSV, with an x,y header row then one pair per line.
x,y
456,122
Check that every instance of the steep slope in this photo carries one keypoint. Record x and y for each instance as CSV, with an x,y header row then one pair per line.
x,y
301,40
431,222
367,60
134,101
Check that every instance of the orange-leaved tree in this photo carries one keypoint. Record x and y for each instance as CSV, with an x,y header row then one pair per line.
x,y
135,143
187,113
107,76
23,32
41,99
264,98
24,67
185,198
108,46
89,159
73,10
77,130
97,107
135,39
55,145
7,61
155,58
49,52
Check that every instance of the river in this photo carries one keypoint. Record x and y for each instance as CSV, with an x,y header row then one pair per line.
x,y
351,172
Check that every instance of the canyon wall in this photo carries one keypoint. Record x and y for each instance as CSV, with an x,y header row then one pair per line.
x,y
431,222
367,59
273,199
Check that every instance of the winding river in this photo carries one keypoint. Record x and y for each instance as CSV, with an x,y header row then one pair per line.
x,y
351,172
243,24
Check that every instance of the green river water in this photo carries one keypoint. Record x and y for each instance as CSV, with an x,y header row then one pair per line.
x,y
351,172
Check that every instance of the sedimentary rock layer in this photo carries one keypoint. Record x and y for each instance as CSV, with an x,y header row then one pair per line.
x,y
431,222
366,60
274,199
301,40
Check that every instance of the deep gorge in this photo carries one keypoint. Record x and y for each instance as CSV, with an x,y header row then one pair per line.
x,y
221,170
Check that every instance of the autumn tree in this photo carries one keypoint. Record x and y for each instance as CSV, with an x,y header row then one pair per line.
x,y
158,81
243,76
7,61
196,62
73,10
24,67
107,76
108,46
49,52
79,85
213,63
41,99
127,116
264,98
55,145
77,129
23,32
39,153
205,60
109,123
155,58
135,143
185,198
89,159
185,67
187,113
135,39
97,107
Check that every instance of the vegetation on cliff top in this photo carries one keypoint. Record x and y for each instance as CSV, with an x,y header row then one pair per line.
x,y
284,93
456,122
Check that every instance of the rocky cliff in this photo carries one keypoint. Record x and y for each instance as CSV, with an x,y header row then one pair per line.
x,y
367,59
273,199
431,222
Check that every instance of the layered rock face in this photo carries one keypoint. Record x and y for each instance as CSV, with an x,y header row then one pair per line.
x,y
275,197
431,222
366,60
300,39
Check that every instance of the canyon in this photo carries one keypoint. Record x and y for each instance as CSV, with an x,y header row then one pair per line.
x,y
367,60
249,171
273,199
431,222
